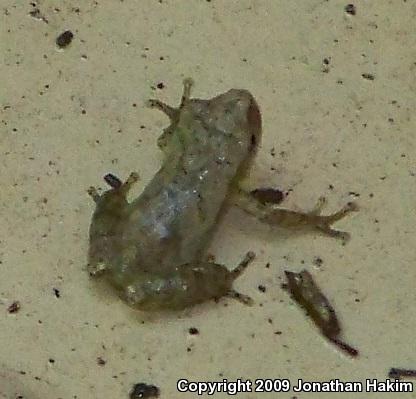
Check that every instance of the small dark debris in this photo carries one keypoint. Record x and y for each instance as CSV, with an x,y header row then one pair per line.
x,y
397,373
101,361
268,195
368,76
193,331
317,261
350,9
267,265
262,288
51,361
160,86
57,292
14,307
142,391
325,67
35,13
64,39
307,294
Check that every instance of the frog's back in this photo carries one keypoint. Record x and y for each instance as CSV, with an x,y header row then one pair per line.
x,y
206,146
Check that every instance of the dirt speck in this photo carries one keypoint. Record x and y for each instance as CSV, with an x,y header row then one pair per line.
x,y
368,76
350,9
14,307
143,391
64,39
101,361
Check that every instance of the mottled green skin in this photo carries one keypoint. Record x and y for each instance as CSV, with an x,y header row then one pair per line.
x,y
152,249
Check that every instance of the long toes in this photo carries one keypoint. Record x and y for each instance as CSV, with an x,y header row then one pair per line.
x,y
93,193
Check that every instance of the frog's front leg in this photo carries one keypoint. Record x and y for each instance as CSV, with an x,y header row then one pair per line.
x,y
185,285
171,112
274,215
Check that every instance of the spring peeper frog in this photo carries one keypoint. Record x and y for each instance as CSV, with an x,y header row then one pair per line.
x,y
152,248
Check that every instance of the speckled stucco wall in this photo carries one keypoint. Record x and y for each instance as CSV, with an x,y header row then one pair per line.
x,y
337,93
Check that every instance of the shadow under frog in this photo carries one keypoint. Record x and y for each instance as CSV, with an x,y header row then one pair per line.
x,y
152,248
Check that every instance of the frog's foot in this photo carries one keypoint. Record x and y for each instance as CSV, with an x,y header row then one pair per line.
x,y
115,183
243,264
118,187
171,112
274,215
116,196
236,272
323,223
93,193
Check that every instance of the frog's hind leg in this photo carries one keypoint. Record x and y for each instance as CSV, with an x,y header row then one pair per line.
x,y
236,272
118,188
272,214
110,210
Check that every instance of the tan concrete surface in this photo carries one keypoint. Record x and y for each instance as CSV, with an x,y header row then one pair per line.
x,y
70,116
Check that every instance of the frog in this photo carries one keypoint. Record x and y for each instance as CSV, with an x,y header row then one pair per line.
x,y
153,249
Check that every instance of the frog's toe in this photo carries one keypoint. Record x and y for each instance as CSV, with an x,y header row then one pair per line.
x,y
245,299
133,178
93,193
167,109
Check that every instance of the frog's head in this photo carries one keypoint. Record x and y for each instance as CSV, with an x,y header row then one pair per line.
x,y
236,113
